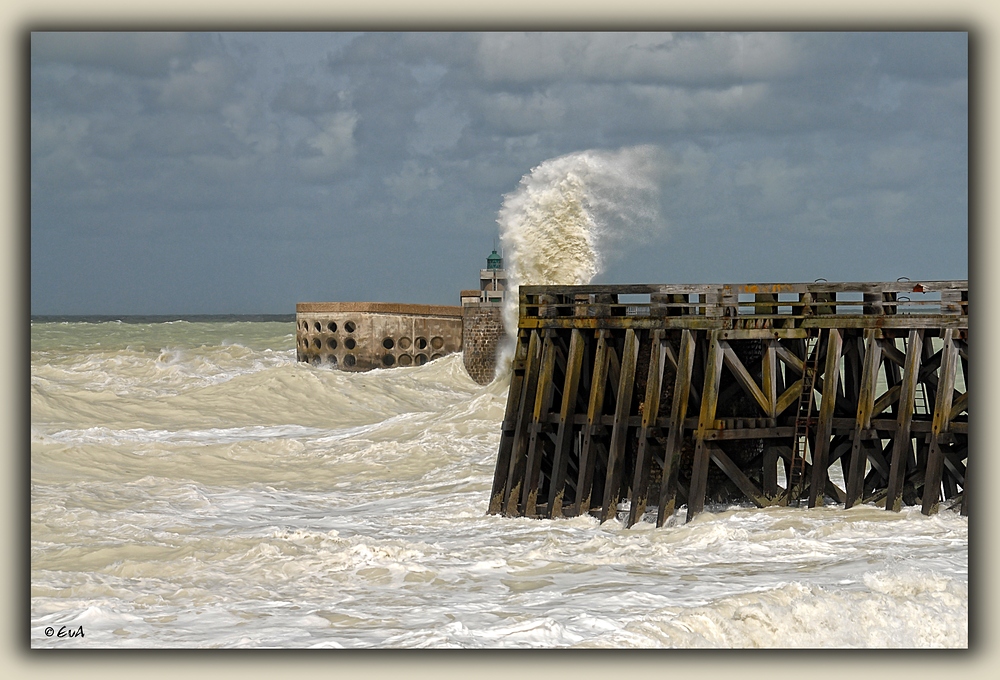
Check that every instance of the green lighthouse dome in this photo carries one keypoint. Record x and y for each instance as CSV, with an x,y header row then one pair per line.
x,y
494,261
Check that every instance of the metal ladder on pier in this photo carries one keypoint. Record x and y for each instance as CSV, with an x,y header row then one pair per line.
x,y
803,421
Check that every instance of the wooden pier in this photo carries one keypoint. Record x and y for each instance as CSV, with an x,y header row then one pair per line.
x,y
763,394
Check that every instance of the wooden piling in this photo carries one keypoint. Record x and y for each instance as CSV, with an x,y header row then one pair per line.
x,y
717,406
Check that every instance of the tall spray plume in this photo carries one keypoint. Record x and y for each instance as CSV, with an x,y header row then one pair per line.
x,y
569,216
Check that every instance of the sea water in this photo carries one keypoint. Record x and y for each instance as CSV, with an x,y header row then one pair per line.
x,y
192,485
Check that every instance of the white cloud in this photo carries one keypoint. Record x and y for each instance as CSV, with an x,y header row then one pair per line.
x,y
656,57
412,181
439,127
776,185
677,107
335,144
204,87
521,114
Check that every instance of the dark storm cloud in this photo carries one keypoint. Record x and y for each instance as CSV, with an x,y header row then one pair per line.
x,y
266,168
137,54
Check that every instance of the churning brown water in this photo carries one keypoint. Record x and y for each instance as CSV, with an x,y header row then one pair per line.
x,y
194,486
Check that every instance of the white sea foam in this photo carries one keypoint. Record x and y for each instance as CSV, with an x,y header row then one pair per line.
x,y
296,506
570,214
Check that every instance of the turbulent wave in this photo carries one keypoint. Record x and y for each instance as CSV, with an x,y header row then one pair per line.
x,y
570,214
273,503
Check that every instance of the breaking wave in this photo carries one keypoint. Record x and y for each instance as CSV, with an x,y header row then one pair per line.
x,y
572,214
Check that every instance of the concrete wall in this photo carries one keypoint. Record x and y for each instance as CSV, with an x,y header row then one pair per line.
x,y
482,329
356,336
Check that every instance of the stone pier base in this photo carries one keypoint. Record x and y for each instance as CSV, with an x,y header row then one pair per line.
x,y
482,330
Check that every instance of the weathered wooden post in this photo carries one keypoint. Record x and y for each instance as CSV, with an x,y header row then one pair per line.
x,y
699,396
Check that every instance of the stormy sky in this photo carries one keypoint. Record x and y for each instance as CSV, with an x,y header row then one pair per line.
x,y
243,172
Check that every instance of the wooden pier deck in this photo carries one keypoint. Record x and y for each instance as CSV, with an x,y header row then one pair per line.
x,y
669,395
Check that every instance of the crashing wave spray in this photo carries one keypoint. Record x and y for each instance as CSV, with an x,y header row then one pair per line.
x,y
568,216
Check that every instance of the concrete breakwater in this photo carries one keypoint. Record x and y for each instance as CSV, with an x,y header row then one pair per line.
x,y
360,336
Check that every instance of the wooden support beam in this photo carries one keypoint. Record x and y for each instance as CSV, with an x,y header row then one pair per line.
x,y
574,427
892,353
960,404
890,397
614,367
965,492
866,401
769,376
670,356
564,433
508,428
623,404
706,421
543,403
588,454
675,434
734,473
744,378
788,397
953,463
770,472
824,425
834,491
650,407
942,408
518,460
901,443
789,358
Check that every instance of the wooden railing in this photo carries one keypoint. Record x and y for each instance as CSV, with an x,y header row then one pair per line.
x,y
785,302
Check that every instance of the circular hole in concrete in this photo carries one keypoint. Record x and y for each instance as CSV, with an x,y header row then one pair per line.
x,y
318,326
317,343
388,343
316,360
404,343
332,326
388,360
349,360
349,343
305,325
437,343
421,343
436,356
332,343
405,360
332,359
349,326
421,359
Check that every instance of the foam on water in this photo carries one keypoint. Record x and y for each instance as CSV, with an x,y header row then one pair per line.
x,y
297,506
